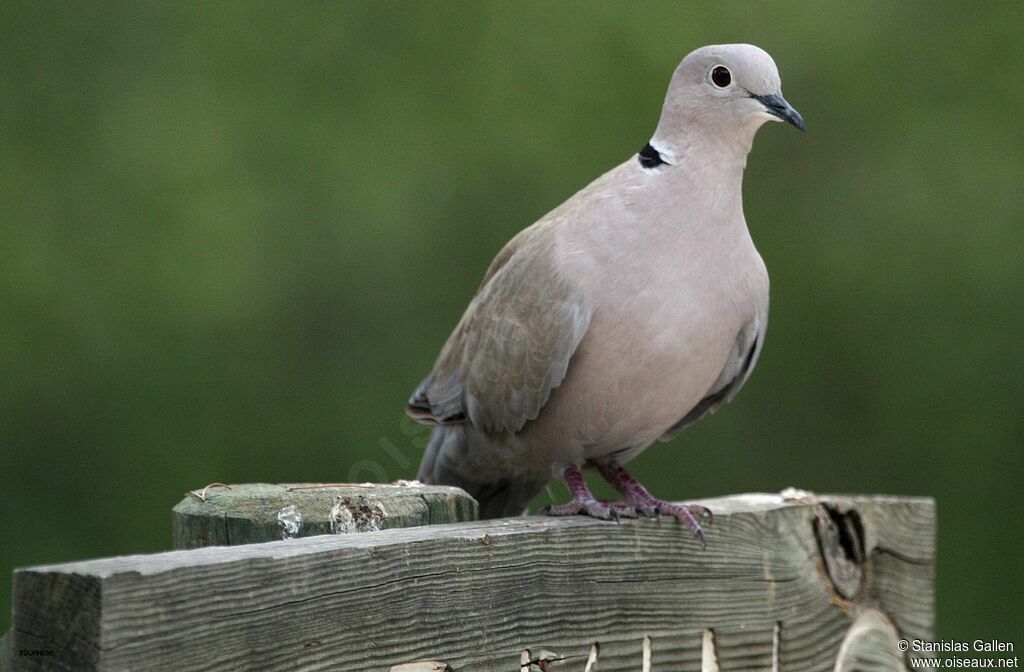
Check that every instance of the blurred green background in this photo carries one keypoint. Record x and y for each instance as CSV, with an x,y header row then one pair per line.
x,y
235,236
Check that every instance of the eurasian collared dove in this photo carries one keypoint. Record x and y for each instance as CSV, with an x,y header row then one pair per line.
x,y
625,314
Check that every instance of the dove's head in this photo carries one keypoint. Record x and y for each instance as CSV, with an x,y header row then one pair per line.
x,y
724,91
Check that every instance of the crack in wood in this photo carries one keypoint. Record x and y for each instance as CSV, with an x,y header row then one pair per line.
x,y
902,557
709,652
592,658
776,645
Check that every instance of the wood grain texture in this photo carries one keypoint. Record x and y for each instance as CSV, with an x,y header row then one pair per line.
x,y
871,645
475,595
246,514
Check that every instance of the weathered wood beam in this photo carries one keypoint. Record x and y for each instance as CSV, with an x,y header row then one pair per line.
x,y
487,595
221,515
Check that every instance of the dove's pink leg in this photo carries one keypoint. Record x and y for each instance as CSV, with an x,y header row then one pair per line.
x,y
583,501
635,494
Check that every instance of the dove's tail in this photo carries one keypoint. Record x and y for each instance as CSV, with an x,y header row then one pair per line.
x,y
497,497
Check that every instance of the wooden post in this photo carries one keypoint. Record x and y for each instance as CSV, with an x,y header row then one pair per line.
x,y
222,515
527,593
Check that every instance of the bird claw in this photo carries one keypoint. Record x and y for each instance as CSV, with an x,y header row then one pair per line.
x,y
646,505
702,512
637,502
686,513
585,507
623,509
648,511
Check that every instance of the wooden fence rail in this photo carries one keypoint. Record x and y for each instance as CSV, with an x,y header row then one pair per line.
x,y
830,583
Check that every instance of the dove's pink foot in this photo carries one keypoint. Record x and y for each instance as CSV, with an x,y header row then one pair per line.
x,y
583,501
636,495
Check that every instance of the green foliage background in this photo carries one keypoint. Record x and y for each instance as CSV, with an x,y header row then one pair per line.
x,y
235,235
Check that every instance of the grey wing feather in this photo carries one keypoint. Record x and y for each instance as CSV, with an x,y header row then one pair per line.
x,y
512,346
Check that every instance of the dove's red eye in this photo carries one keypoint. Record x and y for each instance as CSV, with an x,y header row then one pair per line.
x,y
720,76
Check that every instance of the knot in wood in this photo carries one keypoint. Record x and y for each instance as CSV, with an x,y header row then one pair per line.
x,y
840,536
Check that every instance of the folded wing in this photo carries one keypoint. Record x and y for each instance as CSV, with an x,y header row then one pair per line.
x,y
512,346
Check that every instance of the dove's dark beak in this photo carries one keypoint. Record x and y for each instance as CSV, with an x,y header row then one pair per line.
x,y
777,106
